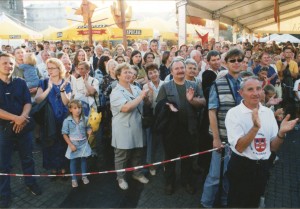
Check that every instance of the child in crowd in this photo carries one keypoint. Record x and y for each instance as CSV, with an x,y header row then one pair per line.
x,y
263,76
75,132
31,73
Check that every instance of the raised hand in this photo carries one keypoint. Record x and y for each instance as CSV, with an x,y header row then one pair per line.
x,y
50,84
190,94
144,93
255,119
273,101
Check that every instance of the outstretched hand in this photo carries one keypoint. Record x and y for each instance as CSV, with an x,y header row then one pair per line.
x,y
287,125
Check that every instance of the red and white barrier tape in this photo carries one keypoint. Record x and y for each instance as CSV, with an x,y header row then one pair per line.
x,y
112,171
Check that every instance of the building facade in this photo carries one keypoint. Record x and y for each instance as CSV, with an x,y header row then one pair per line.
x,y
40,16
13,8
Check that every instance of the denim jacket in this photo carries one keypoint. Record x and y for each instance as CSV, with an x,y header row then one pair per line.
x,y
73,130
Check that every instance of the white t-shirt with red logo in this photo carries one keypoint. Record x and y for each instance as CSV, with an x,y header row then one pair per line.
x,y
238,122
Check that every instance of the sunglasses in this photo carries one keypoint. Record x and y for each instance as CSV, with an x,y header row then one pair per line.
x,y
87,50
235,60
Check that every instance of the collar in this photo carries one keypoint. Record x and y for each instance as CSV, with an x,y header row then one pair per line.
x,y
245,109
232,78
70,118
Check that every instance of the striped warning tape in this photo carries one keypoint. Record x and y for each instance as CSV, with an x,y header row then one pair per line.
x,y
112,171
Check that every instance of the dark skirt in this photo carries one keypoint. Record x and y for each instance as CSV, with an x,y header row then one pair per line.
x,y
54,154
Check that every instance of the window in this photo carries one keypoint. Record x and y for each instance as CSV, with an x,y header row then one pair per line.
x,y
12,4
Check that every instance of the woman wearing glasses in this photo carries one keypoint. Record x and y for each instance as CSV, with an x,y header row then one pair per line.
x,y
57,92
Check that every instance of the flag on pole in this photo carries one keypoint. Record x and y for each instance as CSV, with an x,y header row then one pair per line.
x,y
204,38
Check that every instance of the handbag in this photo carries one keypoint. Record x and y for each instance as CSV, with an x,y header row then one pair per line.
x,y
147,116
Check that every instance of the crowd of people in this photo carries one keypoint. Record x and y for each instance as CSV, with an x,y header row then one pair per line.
x,y
181,99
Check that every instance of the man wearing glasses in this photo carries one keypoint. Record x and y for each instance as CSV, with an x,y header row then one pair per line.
x,y
223,96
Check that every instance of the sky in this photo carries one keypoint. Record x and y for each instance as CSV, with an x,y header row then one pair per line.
x,y
157,6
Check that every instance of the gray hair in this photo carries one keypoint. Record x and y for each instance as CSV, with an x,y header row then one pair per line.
x,y
194,52
191,61
245,80
175,60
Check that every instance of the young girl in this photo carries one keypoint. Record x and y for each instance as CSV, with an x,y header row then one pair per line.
x,y
75,132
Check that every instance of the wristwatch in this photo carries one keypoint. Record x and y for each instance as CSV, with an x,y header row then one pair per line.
x,y
62,90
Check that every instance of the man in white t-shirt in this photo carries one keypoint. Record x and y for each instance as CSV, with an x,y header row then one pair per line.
x,y
85,88
252,133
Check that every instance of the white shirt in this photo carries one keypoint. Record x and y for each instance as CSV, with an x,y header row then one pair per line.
x,y
203,67
238,122
43,70
79,89
297,88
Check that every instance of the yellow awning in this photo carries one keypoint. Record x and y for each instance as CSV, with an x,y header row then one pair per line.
x,y
50,33
12,30
132,33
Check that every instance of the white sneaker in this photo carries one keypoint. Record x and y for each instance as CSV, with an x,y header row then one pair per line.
x,y
123,184
74,183
85,180
141,179
152,171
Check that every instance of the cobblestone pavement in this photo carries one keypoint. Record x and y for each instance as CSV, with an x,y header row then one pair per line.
x,y
103,192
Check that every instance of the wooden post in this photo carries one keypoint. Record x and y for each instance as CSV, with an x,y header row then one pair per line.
x,y
90,32
123,23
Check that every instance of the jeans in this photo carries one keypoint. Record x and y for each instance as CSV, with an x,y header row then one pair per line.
x,y
73,163
211,185
24,146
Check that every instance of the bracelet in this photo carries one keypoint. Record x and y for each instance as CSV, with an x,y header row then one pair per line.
x,y
62,90
280,137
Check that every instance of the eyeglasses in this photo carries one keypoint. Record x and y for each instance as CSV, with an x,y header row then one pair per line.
x,y
150,57
66,48
87,50
235,60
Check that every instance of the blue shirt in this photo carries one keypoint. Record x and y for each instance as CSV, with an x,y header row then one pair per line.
x,y
75,131
271,72
54,98
14,96
213,101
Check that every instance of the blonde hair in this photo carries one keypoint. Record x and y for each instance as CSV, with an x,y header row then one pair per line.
x,y
30,59
121,67
59,64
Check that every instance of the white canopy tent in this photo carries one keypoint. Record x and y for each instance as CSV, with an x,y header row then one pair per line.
x,y
269,38
285,38
247,16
